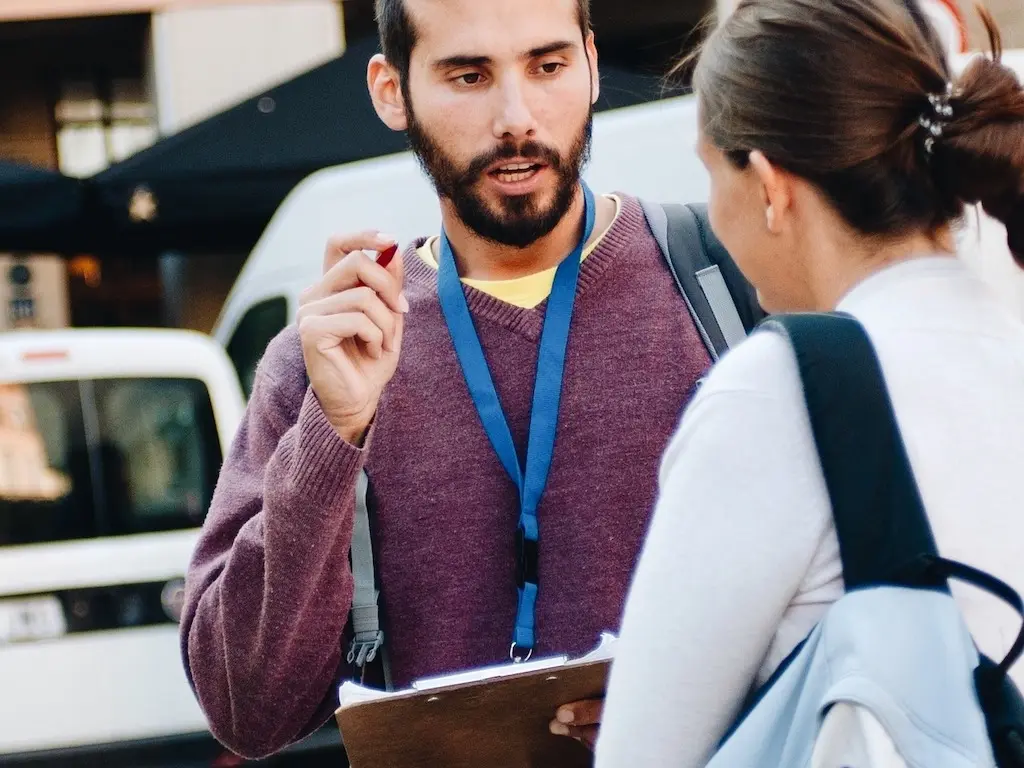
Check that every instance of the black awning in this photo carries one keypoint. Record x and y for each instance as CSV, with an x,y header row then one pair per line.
x,y
40,209
214,186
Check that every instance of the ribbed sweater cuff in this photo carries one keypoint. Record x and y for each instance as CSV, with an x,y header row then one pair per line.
x,y
323,465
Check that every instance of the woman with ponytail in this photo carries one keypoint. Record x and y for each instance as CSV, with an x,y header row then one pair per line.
x,y
843,154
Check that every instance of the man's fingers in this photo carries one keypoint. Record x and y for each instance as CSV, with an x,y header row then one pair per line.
x,y
397,270
358,269
396,341
397,267
585,734
324,332
579,720
340,246
578,713
360,299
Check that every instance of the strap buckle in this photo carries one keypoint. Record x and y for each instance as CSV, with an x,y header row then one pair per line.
x,y
363,648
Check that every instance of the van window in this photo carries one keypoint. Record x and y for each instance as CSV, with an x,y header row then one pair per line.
x,y
256,330
111,457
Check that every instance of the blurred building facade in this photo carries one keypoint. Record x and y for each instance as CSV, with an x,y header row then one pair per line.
x,y
89,82
1009,14
95,80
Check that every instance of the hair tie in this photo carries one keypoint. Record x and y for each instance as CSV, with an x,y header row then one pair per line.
x,y
935,121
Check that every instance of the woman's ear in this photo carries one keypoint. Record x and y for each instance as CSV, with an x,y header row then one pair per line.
x,y
775,189
385,86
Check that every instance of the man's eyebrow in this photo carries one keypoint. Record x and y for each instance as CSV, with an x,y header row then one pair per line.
x,y
453,62
471,60
559,46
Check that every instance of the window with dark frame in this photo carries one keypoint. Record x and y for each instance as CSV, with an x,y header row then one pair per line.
x,y
100,121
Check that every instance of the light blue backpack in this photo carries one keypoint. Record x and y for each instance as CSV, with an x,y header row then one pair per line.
x,y
890,676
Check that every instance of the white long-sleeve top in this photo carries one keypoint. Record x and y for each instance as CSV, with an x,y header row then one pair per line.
x,y
742,559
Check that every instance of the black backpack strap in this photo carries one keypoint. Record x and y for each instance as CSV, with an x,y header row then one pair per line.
x,y
879,517
883,530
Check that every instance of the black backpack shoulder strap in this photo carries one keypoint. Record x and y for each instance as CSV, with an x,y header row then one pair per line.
x,y
880,519
883,530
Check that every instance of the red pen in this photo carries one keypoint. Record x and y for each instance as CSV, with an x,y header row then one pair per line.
x,y
387,255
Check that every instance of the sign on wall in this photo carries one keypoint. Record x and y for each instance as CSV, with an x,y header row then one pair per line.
x,y
33,292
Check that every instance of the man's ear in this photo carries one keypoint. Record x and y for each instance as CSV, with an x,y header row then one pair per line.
x,y
776,191
595,77
385,87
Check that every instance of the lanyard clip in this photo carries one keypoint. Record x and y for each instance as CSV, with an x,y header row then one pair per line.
x,y
517,656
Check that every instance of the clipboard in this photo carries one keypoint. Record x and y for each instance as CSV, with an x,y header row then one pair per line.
x,y
495,718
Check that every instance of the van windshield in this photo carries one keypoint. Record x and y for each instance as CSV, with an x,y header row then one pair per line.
x,y
106,457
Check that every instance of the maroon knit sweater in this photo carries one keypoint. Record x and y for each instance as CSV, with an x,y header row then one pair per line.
x,y
269,585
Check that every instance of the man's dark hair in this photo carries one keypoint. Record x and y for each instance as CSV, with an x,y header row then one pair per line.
x,y
397,35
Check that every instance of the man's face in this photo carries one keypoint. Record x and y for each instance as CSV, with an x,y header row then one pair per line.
x,y
499,102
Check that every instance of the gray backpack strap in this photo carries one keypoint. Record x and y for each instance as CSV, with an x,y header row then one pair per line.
x,y
364,616
368,638
721,302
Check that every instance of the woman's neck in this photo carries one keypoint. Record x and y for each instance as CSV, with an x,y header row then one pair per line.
x,y
836,270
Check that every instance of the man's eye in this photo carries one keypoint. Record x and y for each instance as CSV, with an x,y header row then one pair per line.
x,y
551,67
470,78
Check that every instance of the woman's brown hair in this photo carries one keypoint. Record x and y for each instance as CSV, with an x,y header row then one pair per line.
x,y
856,97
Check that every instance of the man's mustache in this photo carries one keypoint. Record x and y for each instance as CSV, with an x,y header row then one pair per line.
x,y
529,150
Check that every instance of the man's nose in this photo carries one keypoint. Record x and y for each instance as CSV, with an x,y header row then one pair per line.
x,y
515,118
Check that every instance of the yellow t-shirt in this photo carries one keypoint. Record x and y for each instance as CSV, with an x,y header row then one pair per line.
x,y
528,291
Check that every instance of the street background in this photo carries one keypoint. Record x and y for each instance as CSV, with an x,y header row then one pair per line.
x,y
144,147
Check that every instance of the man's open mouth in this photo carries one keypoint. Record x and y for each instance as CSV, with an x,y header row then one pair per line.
x,y
510,173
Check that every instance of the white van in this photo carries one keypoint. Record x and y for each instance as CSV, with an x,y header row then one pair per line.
x,y
110,446
645,150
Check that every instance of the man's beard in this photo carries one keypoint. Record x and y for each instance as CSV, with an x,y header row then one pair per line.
x,y
518,221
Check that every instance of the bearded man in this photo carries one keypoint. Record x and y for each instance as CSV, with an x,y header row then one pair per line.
x,y
507,386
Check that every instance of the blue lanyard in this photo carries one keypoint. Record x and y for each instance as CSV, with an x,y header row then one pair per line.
x,y
547,394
